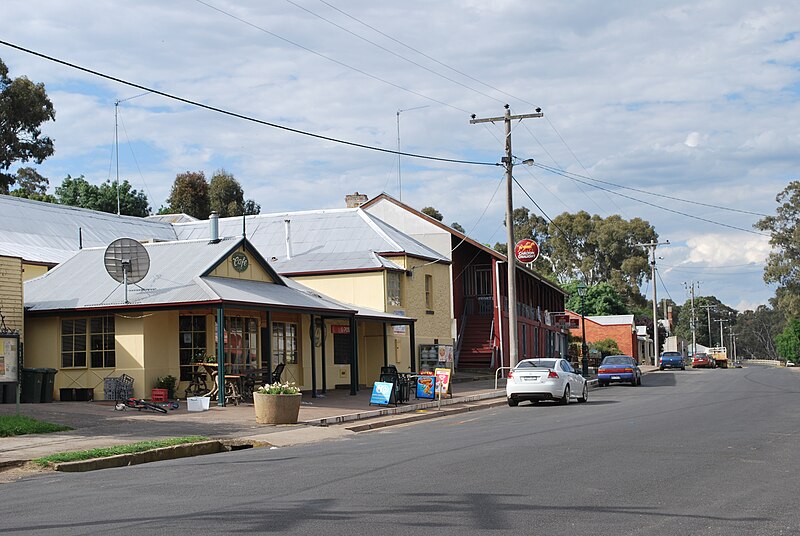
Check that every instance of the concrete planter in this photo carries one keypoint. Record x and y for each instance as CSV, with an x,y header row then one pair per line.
x,y
276,409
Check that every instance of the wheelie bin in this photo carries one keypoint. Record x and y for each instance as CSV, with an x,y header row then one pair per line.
x,y
48,384
31,385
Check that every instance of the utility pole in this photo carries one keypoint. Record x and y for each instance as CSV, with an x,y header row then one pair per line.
x,y
512,262
652,246
721,338
694,318
708,311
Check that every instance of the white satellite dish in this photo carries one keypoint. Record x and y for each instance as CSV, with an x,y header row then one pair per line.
x,y
126,261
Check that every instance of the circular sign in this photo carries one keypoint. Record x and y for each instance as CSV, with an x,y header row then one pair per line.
x,y
526,251
240,261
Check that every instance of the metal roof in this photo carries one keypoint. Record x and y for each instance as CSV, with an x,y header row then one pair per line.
x,y
81,282
612,320
48,233
320,241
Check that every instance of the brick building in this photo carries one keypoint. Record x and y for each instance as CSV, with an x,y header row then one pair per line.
x,y
621,328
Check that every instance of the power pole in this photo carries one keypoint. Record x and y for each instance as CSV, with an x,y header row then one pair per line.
x,y
708,311
652,246
721,338
512,268
694,318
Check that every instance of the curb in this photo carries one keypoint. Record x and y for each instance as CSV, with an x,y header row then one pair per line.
x,y
424,416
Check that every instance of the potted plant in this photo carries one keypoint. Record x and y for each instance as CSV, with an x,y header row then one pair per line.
x,y
277,403
169,383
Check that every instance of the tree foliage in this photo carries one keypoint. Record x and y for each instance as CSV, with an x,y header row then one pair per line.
x,y
788,341
455,225
756,332
720,311
783,263
29,184
189,195
227,197
600,299
433,213
24,106
78,192
606,347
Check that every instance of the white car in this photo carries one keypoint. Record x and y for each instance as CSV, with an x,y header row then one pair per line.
x,y
545,379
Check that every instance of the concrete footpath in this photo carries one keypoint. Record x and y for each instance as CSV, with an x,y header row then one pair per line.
x,y
334,415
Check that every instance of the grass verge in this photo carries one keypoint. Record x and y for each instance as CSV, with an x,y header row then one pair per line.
x,y
131,448
14,425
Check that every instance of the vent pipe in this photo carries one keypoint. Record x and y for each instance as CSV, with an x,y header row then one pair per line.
x,y
80,238
287,228
213,221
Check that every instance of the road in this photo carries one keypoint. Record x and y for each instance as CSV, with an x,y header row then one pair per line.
x,y
710,452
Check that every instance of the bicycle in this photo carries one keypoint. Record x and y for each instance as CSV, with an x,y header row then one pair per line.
x,y
138,404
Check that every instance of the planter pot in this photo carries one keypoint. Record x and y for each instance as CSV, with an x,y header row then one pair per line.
x,y
276,409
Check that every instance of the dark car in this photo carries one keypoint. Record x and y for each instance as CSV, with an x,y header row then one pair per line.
x,y
618,368
672,360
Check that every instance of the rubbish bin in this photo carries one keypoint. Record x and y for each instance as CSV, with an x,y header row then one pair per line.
x,y
48,384
31,385
10,395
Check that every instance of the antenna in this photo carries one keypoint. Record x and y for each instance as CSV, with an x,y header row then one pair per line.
x,y
126,261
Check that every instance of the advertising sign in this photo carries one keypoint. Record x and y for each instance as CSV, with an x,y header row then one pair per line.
x,y
425,387
565,322
442,381
446,354
340,329
8,358
526,251
382,393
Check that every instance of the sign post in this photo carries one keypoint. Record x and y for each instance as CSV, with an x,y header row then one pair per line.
x,y
442,383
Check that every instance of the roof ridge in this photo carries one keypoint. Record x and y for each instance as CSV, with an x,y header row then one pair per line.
x,y
374,226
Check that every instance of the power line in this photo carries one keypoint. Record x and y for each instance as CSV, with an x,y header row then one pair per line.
x,y
571,177
566,236
341,63
672,198
658,273
245,117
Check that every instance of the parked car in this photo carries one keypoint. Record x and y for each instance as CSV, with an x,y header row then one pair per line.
x,y
618,368
672,360
790,363
545,379
702,360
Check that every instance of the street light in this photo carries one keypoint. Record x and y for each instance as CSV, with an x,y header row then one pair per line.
x,y
584,347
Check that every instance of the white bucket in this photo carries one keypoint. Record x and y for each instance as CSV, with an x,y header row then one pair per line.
x,y
198,403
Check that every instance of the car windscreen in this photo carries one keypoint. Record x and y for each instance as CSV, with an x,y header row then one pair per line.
x,y
543,363
616,360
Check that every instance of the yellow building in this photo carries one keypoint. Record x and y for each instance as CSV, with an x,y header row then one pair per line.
x,y
194,293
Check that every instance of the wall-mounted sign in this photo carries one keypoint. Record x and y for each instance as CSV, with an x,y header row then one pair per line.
x,y
565,322
340,329
240,261
526,251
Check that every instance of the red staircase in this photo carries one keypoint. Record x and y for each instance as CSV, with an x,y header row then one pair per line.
x,y
476,345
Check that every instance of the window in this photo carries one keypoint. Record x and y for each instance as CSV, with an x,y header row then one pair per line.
x,y
241,344
101,340
73,343
191,342
393,289
429,292
342,348
284,343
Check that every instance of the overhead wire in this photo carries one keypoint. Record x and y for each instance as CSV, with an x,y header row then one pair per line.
x,y
245,117
664,285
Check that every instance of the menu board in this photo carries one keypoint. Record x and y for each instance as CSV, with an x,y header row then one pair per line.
x,y
8,358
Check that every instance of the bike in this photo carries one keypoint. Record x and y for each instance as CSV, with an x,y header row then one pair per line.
x,y
138,404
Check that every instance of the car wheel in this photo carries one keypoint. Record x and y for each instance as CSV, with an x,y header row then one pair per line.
x,y
585,395
639,380
565,399
602,384
660,368
513,403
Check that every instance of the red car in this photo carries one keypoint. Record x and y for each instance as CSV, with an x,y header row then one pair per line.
x,y
702,361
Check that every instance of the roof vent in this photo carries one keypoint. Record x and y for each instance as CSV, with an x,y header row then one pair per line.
x,y
213,221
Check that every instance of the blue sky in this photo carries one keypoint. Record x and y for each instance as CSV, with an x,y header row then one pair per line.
x,y
695,100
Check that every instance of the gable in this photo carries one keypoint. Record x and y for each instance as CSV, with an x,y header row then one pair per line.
x,y
242,264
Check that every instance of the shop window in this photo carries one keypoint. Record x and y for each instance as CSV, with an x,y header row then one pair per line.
x,y
284,343
429,292
393,289
191,342
101,341
73,343
342,348
241,344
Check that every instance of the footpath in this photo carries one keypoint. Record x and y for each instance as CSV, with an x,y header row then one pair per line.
x,y
334,415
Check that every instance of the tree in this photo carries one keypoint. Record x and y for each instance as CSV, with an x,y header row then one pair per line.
x,y
227,197
433,213
788,341
24,106
31,185
683,326
78,192
783,263
455,225
756,332
600,299
189,195
606,347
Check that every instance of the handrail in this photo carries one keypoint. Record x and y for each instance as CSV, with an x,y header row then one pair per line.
x,y
496,378
457,352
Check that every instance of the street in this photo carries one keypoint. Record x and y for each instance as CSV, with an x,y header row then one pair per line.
x,y
689,452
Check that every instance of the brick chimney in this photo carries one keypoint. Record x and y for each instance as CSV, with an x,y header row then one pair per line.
x,y
355,200
669,319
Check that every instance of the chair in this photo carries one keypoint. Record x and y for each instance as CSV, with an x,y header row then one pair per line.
x,y
278,372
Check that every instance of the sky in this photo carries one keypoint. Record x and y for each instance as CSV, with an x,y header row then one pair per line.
x,y
698,101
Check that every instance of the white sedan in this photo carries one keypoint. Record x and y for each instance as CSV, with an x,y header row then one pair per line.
x,y
545,379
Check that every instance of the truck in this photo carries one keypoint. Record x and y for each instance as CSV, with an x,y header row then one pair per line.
x,y
720,356
672,360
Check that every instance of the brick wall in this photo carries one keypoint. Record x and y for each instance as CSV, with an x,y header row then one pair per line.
x,y
624,334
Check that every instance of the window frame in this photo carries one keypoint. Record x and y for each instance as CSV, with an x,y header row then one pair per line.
x,y
285,343
105,346
429,292
394,296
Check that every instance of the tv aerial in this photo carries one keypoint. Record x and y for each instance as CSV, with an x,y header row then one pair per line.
x,y
126,261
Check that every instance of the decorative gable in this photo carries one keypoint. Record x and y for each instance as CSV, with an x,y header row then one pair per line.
x,y
243,264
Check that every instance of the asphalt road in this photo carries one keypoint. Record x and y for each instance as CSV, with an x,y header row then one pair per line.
x,y
697,452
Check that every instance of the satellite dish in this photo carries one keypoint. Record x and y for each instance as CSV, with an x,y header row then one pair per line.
x,y
126,261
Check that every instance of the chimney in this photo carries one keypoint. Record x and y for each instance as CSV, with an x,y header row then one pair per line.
x,y
286,227
355,200
669,319
213,221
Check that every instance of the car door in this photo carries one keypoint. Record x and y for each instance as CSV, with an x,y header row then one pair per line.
x,y
572,378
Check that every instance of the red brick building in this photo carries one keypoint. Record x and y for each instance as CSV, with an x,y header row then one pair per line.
x,y
621,328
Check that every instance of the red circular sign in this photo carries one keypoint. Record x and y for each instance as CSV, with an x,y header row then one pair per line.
x,y
526,251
